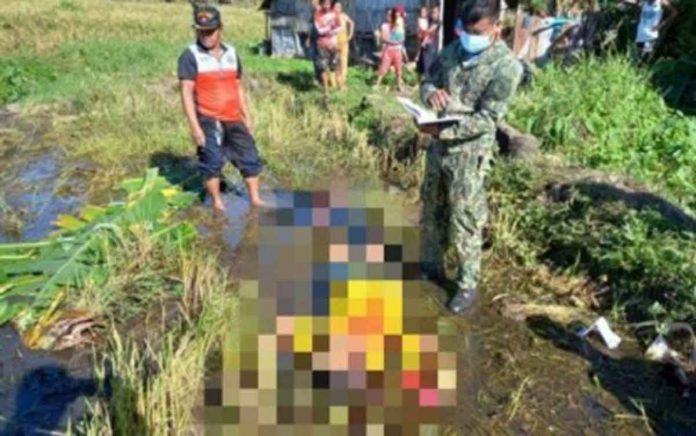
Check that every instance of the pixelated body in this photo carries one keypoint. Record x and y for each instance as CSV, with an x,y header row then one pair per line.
x,y
335,337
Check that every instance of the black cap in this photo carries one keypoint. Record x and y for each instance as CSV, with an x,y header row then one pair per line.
x,y
206,17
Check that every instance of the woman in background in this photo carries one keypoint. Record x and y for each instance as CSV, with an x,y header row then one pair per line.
x,y
655,15
431,43
345,35
393,37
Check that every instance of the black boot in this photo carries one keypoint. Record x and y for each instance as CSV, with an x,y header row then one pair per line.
x,y
463,300
432,276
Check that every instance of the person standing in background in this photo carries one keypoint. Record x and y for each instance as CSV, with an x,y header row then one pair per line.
x,y
652,20
431,43
312,40
345,35
393,36
403,16
423,25
327,24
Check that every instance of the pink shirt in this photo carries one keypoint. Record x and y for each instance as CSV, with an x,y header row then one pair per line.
x,y
328,24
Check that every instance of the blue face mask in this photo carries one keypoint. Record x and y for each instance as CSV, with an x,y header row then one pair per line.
x,y
474,44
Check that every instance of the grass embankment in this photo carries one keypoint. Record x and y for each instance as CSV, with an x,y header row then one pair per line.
x,y
637,249
604,114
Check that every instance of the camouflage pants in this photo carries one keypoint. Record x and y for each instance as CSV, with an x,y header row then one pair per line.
x,y
454,211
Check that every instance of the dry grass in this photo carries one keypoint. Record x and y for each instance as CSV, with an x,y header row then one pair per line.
x,y
156,387
39,27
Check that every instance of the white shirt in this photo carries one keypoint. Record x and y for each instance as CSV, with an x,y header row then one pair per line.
x,y
544,37
650,17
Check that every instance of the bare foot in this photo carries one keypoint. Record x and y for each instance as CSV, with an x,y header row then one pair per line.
x,y
219,206
260,203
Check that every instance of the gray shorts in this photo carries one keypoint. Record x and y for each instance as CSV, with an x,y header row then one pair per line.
x,y
327,59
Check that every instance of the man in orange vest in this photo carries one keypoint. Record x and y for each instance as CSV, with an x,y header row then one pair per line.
x,y
215,105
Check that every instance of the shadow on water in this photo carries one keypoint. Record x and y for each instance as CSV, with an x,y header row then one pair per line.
x,y
179,170
223,229
43,398
182,170
40,391
640,385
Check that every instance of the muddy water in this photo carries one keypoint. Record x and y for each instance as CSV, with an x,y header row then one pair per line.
x,y
33,188
40,392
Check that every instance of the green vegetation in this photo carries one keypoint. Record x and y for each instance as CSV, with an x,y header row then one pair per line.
x,y
78,262
625,239
604,113
636,257
71,49
165,400
559,234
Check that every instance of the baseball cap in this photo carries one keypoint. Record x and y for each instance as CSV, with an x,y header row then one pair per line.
x,y
206,17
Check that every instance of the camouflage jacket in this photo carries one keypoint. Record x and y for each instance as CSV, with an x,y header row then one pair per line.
x,y
480,90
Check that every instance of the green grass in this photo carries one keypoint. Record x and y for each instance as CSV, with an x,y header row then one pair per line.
x,y
70,49
643,259
78,68
157,384
126,112
604,113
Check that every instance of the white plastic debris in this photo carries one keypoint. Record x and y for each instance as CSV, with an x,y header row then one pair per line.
x,y
601,325
658,349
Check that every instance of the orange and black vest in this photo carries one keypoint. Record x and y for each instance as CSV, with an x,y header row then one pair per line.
x,y
216,84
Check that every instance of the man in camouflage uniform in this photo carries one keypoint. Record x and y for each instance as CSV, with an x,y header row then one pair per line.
x,y
474,77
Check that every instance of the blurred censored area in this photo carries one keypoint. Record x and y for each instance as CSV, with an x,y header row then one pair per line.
x,y
335,335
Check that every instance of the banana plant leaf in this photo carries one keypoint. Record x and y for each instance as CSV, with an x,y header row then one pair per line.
x,y
34,275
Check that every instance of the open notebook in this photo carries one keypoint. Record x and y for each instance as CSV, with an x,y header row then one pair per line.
x,y
425,116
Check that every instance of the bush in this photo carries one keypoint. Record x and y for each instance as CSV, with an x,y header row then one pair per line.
x,y
18,77
642,258
604,113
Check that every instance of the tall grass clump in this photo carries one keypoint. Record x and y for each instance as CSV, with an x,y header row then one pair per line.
x,y
604,113
155,387
643,260
303,141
